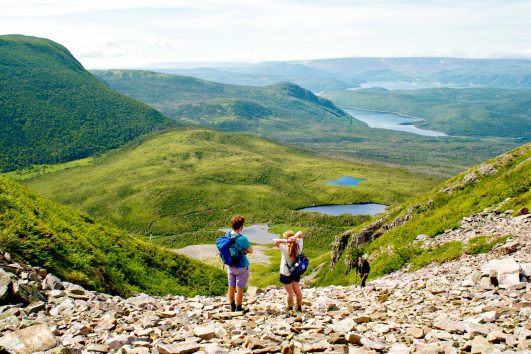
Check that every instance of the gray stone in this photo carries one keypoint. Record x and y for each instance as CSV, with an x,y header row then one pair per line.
x,y
449,325
481,345
178,348
28,340
51,282
5,285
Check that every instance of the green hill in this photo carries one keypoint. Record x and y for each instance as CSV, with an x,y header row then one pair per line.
x,y
471,192
470,112
99,256
192,182
292,115
229,107
53,110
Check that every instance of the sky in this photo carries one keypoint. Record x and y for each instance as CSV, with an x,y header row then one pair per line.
x,y
134,33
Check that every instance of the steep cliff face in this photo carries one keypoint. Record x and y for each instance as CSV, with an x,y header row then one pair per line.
x,y
501,183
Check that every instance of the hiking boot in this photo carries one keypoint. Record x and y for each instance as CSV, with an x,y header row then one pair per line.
x,y
239,308
298,309
233,306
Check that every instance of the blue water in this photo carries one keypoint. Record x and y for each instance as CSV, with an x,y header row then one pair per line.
x,y
258,233
406,85
352,209
346,181
388,120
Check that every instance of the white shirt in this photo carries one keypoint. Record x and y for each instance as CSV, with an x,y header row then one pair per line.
x,y
283,247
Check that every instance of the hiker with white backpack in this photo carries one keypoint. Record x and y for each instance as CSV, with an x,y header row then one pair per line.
x,y
292,264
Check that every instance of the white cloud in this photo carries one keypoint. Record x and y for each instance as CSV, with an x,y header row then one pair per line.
x,y
145,31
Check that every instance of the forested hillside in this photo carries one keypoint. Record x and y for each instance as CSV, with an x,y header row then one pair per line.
x,y
53,110
102,257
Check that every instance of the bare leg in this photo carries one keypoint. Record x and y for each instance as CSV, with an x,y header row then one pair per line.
x,y
298,293
289,293
230,293
239,296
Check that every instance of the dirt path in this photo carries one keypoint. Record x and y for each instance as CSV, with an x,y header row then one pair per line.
x,y
209,254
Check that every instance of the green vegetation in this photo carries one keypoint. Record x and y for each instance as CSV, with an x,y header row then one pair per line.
x,y
470,112
52,110
488,185
191,183
99,256
292,115
227,107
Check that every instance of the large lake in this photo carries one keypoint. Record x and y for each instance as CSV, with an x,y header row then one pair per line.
x,y
406,85
388,120
352,209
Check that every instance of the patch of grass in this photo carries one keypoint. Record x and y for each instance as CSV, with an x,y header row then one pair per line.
x,y
483,244
440,254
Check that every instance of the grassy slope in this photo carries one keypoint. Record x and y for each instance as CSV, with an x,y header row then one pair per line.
x,y
470,112
438,211
99,256
53,110
290,114
196,180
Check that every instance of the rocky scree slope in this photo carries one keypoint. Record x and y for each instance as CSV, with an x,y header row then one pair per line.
x,y
475,304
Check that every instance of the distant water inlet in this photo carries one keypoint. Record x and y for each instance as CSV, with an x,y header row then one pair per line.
x,y
392,121
346,181
352,209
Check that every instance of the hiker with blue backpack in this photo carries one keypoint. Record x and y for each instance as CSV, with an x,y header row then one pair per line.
x,y
233,249
292,265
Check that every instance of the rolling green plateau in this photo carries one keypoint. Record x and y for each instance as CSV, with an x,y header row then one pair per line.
x,y
192,182
485,186
292,115
470,112
96,255
53,110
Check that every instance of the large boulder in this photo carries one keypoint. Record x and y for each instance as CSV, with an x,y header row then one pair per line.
x,y
51,282
507,271
28,340
5,285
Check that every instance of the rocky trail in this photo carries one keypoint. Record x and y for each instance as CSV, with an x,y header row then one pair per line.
x,y
476,304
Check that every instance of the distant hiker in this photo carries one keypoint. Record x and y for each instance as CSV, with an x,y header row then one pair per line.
x,y
291,246
238,265
363,268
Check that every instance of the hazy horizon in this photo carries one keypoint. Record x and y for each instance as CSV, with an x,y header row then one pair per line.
x,y
138,33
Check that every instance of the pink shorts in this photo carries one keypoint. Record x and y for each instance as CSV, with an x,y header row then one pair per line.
x,y
238,277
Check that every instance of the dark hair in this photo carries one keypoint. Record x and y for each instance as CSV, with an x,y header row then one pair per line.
x,y
237,222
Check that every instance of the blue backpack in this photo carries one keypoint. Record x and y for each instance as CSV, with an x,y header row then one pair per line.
x,y
227,251
299,265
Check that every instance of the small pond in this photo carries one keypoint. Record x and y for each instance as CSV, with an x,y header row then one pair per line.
x,y
352,209
346,181
258,233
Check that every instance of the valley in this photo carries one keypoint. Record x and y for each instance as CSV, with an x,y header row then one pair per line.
x,y
292,115
191,182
